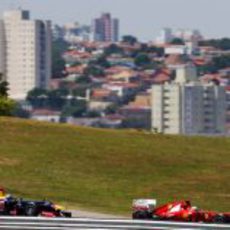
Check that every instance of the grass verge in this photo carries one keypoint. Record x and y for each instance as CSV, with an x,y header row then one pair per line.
x,y
104,170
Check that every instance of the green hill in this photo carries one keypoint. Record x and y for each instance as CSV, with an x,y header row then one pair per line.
x,y
104,170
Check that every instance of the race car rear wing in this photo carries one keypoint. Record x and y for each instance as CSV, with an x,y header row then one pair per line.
x,y
144,204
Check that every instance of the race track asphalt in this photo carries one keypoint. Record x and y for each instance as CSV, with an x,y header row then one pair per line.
x,y
87,214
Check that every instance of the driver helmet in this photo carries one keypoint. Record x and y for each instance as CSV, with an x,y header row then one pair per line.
x,y
2,192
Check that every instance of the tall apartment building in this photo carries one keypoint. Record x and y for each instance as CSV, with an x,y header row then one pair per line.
x,y
2,49
72,32
185,73
25,52
190,108
106,28
184,107
190,37
165,36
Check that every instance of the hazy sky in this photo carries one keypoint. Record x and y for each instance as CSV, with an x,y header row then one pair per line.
x,y
142,18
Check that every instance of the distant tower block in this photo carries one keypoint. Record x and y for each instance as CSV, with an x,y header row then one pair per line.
x,y
25,52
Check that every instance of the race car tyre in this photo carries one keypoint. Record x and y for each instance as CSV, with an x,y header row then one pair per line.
x,y
219,219
31,210
67,214
141,215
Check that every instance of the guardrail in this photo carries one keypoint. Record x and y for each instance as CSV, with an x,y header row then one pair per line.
x,y
17,223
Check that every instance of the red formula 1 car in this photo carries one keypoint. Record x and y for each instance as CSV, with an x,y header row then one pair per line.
x,y
176,211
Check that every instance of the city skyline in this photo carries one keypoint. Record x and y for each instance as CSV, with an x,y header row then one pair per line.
x,y
143,19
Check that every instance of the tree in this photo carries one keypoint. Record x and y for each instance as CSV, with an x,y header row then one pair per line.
x,y
129,39
216,64
37,97
75,63
4,89
93,114
111,109
177,41
142,60
102,61
75,108
80,91
36,92
19,111
223,44
58,63
206,69
6,105
113,49
93,70
222,61
159,51
83,79
54,99
57,98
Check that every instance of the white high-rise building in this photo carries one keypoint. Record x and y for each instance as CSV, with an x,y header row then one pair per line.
x,y
25,52
191,108
185,73
2,48
165,36
188,35
188,107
